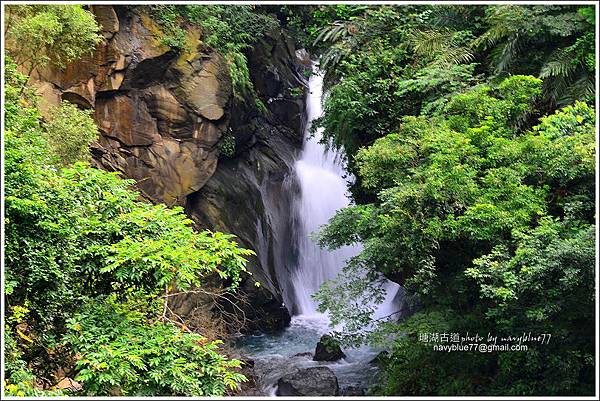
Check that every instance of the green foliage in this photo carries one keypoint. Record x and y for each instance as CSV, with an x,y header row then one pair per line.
x,y
175,38
562,41
357,30
297,92
227,145
84,232
70,132
77,236
120,350
229,27
442,46
555,254
243,88
383,63
41,34
229,30
359,109
167,16
434,84
490,224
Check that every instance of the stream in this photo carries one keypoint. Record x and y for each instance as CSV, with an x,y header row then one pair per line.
x,y
323,185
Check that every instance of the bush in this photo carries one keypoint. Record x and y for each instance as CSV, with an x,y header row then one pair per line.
x,y
70,132
81,244
120,351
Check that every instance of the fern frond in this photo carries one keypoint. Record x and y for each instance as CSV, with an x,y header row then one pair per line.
x,y
501,20
428,42
562,62
440,46
583,88
505,54
331,33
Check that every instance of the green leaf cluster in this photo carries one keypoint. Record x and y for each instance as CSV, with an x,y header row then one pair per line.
x,y
490,226
86,259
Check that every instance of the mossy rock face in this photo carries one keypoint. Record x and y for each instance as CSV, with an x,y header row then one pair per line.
x,y
328,349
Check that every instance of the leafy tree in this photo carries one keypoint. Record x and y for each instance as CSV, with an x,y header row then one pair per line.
x,y
77,237
491,226
37,35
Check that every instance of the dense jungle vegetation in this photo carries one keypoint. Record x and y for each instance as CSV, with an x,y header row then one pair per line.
x,y
471,134
88,262
469,130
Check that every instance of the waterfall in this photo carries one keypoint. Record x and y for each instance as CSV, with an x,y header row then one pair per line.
x,y
323,191
319,174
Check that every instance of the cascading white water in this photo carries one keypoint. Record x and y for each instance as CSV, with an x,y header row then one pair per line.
x,y
323,191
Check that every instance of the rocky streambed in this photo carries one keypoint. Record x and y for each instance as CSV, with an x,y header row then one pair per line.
x,y
283,363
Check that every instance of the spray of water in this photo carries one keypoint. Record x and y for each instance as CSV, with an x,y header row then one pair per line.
x,y
323,191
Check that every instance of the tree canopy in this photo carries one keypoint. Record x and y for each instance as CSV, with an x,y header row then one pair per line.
x,y
471,134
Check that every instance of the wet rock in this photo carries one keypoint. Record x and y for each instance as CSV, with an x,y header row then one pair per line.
x,y
249,387
303,355
328,349
251,195
275,69
268,370
126,119
352,391
380,358
316,381
205,85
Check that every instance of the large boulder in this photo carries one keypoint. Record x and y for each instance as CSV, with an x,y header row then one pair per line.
x,y
161,113
316,381
328,349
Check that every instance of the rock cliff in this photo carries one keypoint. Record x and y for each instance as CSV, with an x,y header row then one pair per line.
x,y
251,194
163,114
